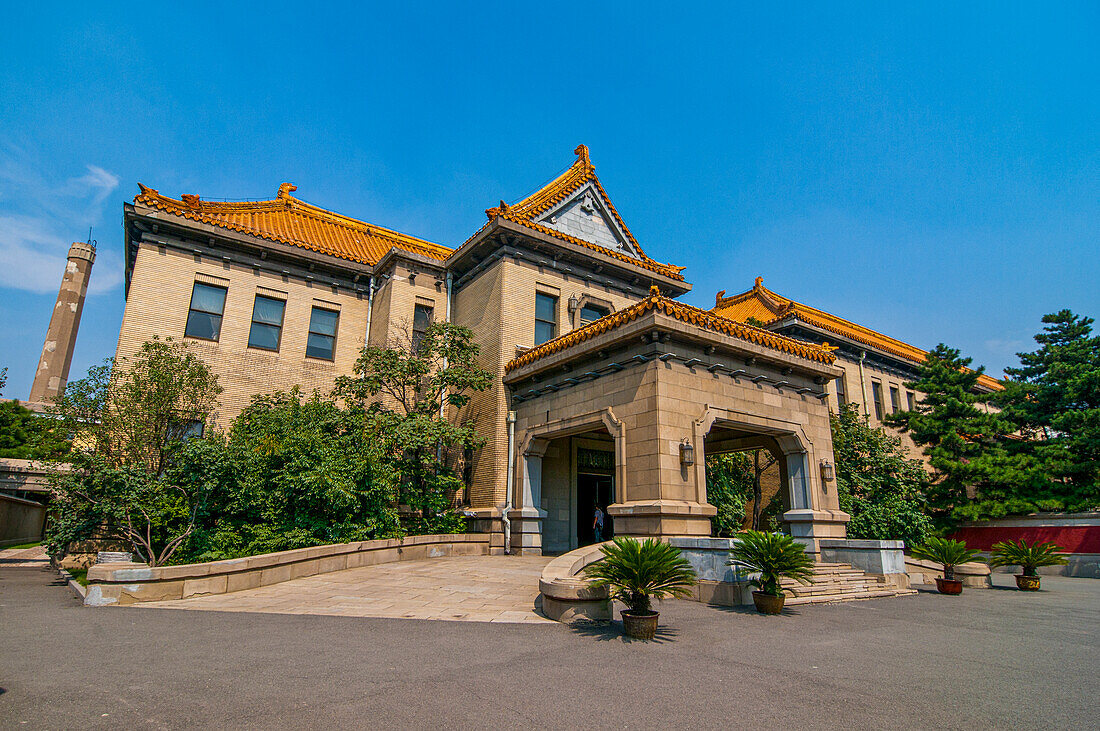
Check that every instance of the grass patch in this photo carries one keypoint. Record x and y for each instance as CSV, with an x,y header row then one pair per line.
x,y
23,545
81,576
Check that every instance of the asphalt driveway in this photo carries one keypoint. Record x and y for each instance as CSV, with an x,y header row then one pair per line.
x,y
988,659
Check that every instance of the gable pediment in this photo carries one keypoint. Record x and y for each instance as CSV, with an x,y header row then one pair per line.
x,y
584,215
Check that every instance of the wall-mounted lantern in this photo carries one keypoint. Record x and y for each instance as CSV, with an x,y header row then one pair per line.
x,y
574,303
828,472
687,453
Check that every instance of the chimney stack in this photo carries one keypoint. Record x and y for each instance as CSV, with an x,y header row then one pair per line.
x,y
57,351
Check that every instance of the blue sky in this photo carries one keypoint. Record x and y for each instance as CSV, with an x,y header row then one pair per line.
x,y
932,171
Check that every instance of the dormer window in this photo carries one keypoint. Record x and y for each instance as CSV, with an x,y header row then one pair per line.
x,y
591,312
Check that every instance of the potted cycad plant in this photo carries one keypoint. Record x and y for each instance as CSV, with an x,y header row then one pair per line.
x,y
774,556
949,554
636,573
1028,558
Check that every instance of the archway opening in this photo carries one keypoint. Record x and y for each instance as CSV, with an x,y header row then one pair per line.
x,y
747,480
578,486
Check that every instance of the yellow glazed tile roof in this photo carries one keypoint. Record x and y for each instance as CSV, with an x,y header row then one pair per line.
x,y
579,173
767,307
684,313
292,221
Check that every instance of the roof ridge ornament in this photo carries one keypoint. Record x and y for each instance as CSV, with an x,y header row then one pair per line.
x,y
582,155
286,189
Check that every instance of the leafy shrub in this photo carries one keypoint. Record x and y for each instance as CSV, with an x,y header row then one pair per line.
x,y
774,556
637,572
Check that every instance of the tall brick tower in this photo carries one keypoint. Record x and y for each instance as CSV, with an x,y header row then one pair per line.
x,y
57,351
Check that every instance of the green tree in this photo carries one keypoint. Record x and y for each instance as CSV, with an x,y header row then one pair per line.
x,y
729,489
413,395
1053,399
877,484
131,422
138,411
298,472
27,435
961,437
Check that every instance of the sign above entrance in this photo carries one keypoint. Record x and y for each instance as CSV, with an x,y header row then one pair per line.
x,y
595,459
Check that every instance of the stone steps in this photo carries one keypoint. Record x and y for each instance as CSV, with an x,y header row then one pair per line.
x,y
834,582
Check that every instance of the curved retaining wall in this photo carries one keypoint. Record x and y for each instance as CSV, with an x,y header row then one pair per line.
x,y
129,583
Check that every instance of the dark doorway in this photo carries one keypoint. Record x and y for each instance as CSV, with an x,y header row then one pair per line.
x,y
592,491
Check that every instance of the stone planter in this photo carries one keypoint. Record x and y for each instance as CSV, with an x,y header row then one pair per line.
x,y
949,586
1027,583
767,603
640,625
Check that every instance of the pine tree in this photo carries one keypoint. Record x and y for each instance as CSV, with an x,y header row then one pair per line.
x,y
1053,398
961,436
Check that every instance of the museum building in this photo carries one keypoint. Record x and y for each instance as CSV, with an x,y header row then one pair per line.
x,y
606,391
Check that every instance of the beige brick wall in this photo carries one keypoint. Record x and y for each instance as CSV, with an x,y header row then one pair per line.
x,y
395,300
158,302
499,306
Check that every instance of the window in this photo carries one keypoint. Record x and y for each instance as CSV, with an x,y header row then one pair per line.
x,y
422,318
911,400
841,392
321,342
876,391
546,317
895,400
592,312
267,323
204,319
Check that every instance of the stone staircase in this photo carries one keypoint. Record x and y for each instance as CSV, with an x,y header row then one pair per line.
x,y
839,582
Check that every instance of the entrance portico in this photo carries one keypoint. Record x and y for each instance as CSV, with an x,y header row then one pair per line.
x,y
659,385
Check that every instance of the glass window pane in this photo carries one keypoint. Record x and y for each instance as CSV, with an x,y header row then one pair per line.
x,y
590,313
323,321
208,299
268,310
422,317
264,336
543,331
319,346
545,307
203,325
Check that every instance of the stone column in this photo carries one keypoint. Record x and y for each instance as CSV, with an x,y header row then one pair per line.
x,y
57,351
527,516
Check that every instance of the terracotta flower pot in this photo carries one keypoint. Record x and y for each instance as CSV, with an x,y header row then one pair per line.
x,y
641,625
949,586
1027,583
767,603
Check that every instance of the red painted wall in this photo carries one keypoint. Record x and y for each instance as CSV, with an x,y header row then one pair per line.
x,y
1072,539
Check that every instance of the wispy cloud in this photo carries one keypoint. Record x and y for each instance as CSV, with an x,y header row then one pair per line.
x,y
40,217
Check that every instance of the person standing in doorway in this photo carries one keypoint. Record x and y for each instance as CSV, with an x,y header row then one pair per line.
x,y
597,525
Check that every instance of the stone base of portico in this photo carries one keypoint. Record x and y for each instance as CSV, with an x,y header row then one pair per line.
x,y
526,531
661,518
809,526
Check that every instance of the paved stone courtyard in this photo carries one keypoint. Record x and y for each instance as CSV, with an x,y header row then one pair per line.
x,y
462,588
995,658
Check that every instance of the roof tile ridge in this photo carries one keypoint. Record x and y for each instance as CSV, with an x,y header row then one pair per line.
x,y
355,224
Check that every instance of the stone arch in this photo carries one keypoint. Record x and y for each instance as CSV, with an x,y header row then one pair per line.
x,y
746,431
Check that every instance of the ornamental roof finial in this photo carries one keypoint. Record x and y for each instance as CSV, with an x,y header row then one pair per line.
x,y
654,291
718,297
582,155
759,283
286,189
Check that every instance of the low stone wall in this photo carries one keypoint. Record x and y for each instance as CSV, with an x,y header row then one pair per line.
x,y
975,575
880,559
718,583
26,475
21,521
1077,533
134,583
569,598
